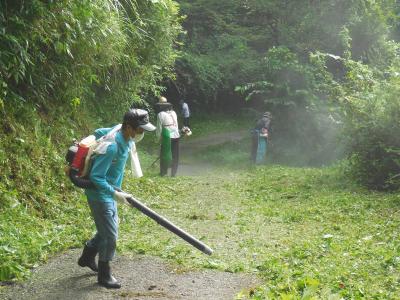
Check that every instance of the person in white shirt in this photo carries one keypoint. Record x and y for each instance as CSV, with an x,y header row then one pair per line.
x,y
185,113
168,133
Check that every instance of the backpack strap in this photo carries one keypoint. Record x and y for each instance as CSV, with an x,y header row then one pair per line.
x,y
102,143
99,147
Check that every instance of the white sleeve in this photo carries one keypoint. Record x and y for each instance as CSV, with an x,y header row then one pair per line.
x,y
135,163
176,131
175,119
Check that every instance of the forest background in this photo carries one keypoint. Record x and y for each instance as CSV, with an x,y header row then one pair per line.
x,y
325,69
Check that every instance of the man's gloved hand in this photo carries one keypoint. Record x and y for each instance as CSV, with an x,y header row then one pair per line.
x,y
121,197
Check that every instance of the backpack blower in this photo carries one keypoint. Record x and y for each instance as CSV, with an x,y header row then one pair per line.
x,y
78,158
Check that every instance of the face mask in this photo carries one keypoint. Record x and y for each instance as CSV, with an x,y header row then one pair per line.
x,y
138,137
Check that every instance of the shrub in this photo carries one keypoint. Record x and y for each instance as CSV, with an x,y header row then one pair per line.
x,y
374,138
370,105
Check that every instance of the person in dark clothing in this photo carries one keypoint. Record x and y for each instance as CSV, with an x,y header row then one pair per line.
x,y
260,135
185,113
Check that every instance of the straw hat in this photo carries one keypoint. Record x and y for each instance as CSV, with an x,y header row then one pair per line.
x,y
162,100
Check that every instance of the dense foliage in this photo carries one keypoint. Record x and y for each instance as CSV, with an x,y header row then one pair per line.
x,y
260,43
371,107
319,66
65,67
102,53
265,52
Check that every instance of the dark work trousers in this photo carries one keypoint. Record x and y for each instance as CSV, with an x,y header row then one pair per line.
x,y
175,156
175,159
186,122
163,164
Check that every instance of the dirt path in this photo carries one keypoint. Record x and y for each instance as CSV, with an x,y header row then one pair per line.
x,y
142,277
190,146
196,144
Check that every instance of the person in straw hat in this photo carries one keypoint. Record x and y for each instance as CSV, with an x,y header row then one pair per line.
x,y
168,134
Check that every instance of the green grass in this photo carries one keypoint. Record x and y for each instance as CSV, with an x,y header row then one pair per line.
x,y
303,231
29,236
340,239
216,123
40,212
306,232
223,156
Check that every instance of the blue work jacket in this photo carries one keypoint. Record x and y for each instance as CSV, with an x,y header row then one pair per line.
x,y
108,169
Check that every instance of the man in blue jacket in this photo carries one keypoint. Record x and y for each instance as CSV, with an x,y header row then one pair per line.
x,y
107,172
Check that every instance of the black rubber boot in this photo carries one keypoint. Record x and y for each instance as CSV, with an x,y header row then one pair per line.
x,y
88,258
104,276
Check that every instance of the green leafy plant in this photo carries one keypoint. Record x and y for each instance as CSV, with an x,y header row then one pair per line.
x,y
370,107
